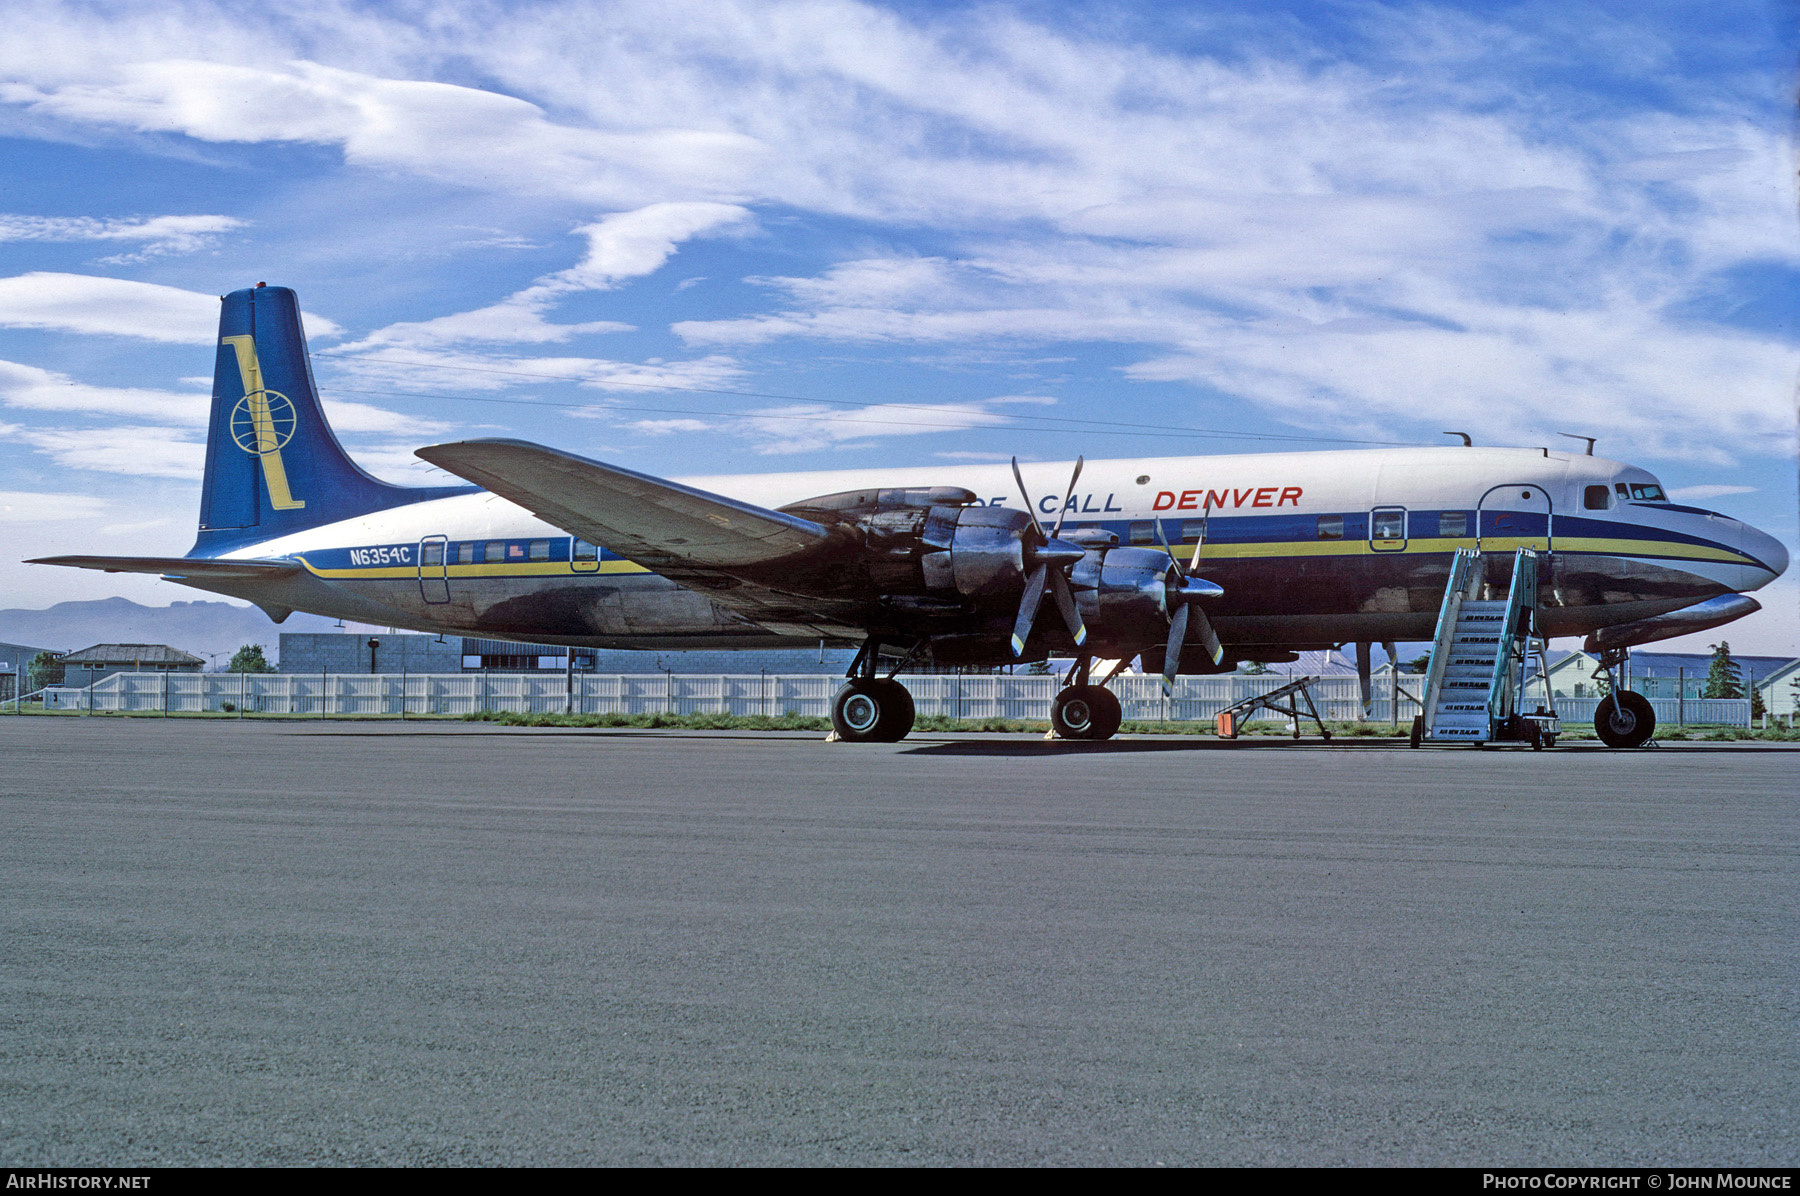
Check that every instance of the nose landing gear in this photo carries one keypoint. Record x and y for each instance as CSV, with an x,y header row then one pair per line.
x,y
1623,719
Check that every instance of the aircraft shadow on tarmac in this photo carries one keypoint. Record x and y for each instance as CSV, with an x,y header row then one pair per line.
x,y
1011,746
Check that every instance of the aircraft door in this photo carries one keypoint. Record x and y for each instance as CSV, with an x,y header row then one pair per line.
x,y
1515,515
583,557
434,570
1387,529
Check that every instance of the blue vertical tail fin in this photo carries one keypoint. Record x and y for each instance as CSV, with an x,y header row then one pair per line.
x,y
273,465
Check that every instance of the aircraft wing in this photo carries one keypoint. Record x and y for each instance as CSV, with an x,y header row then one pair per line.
x,y
729,550
176,566
654,522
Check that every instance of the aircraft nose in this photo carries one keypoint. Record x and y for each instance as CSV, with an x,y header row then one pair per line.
x,y
1767,549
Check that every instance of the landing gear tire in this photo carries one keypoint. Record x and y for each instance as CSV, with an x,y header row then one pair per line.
x,y
1625,720
1086,712
1418,731
872,710
898,723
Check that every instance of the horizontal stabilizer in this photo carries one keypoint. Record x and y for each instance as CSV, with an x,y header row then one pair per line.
x,y
175,566
654,522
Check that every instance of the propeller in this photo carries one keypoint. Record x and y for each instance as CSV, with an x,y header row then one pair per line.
x,y
1182,592
1049,561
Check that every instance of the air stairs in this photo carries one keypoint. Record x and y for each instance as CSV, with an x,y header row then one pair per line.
x,y
1479,658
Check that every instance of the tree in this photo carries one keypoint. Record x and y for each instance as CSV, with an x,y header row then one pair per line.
x,y
1418,664
44,669
249,659
1723,680
1255,668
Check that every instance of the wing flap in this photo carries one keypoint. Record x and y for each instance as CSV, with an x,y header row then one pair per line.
x,y
175,566
655,522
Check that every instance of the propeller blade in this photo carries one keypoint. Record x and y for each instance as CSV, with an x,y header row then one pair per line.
x,y
1065,602
1362,674
1164,541
1205,521
1028,608
1057,530
1172,656
1030,507
1209,639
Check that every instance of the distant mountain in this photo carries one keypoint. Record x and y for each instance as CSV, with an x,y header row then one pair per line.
x,y
202,628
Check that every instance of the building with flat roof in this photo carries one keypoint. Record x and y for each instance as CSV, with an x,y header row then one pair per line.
x,y
15,668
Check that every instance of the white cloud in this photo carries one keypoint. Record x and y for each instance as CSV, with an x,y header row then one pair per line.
x,y
153,452
108,307
29,506
669,427
158,235
803,427
622,246
345,415
118,307
1689,493
1346,244
26,387
517,319
461,135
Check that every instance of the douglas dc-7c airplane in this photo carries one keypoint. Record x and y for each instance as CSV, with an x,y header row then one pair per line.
x,y
1276,553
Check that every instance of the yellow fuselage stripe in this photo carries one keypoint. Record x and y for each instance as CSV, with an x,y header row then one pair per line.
x,y
1213,552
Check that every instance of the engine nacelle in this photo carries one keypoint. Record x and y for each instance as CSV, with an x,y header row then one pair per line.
x,y
1123,596
977,552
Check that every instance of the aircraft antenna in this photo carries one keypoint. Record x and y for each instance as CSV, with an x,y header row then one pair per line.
x,y
1590,440
1467,443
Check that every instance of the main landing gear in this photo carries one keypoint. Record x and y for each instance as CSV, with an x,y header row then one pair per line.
x,y
871,709
1082,710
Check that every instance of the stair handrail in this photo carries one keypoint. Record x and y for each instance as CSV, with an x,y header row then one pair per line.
x,y
1521,598
1455,590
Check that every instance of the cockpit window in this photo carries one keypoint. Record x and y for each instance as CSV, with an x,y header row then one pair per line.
x,y
1647,492
1596,498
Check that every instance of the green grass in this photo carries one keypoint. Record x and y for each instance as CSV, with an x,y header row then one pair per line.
x,y
926,723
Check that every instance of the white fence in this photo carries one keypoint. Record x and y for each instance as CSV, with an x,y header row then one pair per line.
x,y
1727,712
981,696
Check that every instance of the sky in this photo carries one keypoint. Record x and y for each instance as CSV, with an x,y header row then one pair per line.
x,y
734,236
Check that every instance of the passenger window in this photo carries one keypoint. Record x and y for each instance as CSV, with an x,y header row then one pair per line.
x,y
583,551
1388,525
432,554
496,551
1192,530
1143,533
465,554
1331,527
1596,498
1453,525
540,550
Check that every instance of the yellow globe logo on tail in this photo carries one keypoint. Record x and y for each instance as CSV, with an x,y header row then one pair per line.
x,y
262,422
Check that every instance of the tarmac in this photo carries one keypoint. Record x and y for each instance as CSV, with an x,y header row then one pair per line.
x,y
322,943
